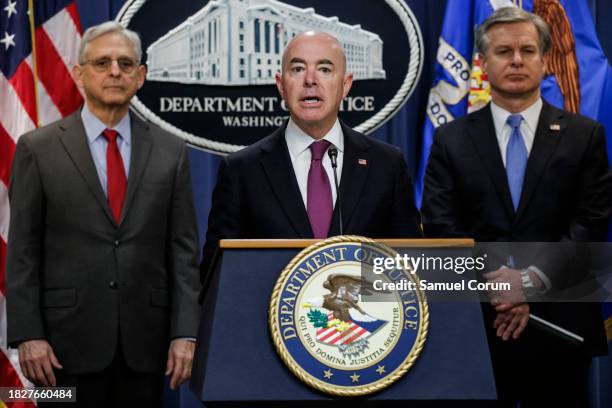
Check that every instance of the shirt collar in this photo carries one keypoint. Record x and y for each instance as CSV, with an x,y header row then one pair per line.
x,y
530,116
298,141
94,126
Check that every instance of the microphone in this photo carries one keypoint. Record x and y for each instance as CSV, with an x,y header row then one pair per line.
x,y
332,152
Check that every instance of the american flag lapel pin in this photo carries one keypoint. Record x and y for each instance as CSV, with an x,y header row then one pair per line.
x,y
362,162
555,126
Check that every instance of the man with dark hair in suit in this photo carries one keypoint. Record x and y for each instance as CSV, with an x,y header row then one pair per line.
x,y
283,185
102,274
522,170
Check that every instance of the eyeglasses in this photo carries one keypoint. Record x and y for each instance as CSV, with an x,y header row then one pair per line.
x,y
126,65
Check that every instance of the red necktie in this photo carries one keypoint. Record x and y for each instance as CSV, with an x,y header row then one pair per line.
x,y
115,171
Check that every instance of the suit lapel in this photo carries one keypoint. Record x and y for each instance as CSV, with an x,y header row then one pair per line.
x,y
353,178
74,140
482,132
279,171
544,145
141,148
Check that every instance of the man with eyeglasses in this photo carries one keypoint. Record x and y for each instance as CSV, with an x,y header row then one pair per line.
x,y
102,273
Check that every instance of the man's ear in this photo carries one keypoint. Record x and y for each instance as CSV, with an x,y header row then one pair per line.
x,y
546,61
77,75
142,74
348,82
279,84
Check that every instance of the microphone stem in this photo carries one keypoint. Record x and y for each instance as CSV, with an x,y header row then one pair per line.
x,y
334,166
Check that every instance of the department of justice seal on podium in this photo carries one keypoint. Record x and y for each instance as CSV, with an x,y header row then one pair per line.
x,y
332,327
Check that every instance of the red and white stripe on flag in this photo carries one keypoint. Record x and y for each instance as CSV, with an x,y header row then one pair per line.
x,y
29,99
333,336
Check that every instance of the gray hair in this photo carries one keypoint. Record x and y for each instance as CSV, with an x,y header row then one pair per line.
x,y
506,15
105,28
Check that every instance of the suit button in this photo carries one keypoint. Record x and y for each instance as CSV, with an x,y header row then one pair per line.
x,y
116,243
113,285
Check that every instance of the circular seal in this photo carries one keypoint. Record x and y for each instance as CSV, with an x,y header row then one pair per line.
x,y
340,327
212,64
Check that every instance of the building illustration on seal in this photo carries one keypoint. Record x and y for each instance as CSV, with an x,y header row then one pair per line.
x,y
240,42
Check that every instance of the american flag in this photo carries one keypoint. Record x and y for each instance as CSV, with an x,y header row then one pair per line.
x,y
36,88
354,331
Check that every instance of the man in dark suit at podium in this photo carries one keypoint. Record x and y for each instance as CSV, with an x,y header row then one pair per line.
x,y
102,274
283,185
522,170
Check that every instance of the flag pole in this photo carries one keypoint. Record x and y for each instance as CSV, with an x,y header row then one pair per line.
x,y
34,63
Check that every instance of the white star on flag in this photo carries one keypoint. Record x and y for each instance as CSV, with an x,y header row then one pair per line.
x,y
8,40
10,9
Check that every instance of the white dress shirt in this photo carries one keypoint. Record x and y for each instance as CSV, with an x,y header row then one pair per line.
x,y
97,143
298,143
529,124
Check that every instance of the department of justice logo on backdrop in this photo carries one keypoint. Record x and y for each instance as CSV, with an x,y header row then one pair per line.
x,y
330,327
212,64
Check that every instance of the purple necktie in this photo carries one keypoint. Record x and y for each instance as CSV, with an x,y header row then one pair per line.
x,y
319,205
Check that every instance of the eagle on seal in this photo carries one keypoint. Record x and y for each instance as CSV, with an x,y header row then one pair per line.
x,y
344,296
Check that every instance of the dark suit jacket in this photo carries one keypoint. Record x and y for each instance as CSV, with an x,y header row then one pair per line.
x,y
257,195
567,195
79,280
